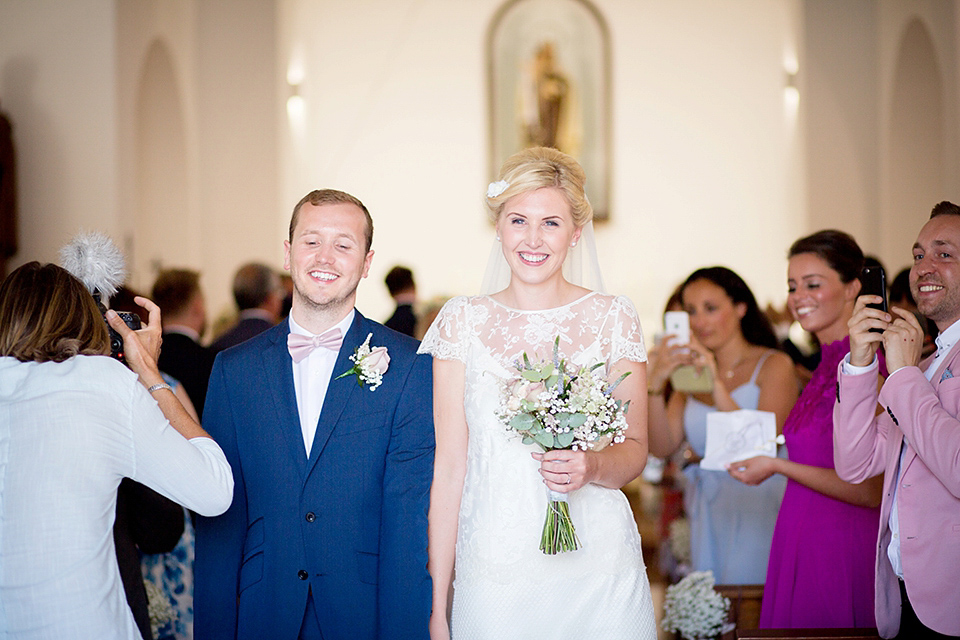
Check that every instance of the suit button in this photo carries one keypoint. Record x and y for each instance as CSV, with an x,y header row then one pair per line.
x,y
302,574
311,516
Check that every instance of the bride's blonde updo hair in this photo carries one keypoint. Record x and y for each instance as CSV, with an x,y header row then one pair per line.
x,y
539,167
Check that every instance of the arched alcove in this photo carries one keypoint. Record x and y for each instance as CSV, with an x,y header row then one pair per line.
x,y
915,161
162,215
548,74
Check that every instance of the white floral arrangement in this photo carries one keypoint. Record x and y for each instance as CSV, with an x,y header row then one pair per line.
x,y
694,610
158,607
557,405
369,364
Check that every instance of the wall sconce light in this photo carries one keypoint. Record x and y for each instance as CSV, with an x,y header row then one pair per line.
x,y
791,94
295,104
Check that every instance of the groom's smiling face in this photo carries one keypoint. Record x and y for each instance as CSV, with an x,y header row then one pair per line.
x,y
327,257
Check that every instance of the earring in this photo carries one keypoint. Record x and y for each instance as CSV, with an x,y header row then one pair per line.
x,y
573,244
498,238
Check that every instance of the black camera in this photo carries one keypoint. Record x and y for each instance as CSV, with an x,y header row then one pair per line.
x,y
129,318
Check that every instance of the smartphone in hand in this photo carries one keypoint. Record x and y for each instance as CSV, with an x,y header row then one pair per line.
x,y
873,282
676,325
686,378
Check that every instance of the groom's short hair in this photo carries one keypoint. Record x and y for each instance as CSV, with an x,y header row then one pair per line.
x,y
321,197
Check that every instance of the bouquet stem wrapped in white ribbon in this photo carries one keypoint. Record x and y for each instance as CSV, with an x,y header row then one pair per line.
x,y
560,406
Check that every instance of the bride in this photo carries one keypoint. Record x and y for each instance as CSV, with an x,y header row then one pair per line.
x,y
489,492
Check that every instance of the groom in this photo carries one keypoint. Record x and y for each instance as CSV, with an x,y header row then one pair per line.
x,y
327,533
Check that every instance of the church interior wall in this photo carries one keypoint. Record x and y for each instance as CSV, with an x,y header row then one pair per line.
x,y
709,167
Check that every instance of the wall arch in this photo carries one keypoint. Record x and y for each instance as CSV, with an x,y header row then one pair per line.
x,y
916,155
162,221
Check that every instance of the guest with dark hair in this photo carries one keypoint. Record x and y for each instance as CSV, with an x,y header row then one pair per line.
x,y
403,290
826,526
76,422
177,292
259,296
731,524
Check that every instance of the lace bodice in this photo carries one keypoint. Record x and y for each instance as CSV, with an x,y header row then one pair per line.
x,y
593,328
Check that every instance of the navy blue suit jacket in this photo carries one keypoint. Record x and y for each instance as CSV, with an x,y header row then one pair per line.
x,y
349,523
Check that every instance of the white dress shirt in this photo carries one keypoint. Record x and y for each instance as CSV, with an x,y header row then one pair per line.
x,y
945,342
69,432
313,374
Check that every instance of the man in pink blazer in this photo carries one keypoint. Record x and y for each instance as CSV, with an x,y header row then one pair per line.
x,y
915,441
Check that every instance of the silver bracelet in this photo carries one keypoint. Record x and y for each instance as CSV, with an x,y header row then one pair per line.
x,y
158,386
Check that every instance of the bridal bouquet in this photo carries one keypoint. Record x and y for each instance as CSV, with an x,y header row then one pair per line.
x,y
560,406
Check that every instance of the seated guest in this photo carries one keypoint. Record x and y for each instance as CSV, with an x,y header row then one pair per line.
x,y
259,296
914,440
731,525
821,561
76,422
403,290
177,293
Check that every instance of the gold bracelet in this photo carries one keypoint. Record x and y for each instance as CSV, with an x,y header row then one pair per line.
x,y
653,392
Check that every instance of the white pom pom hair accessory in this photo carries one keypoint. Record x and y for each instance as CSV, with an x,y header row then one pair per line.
x,y
96,261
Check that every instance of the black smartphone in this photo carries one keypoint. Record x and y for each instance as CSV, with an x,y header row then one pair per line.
x,y
873,282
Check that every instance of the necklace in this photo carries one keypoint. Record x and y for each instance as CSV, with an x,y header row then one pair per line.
x,y
729,373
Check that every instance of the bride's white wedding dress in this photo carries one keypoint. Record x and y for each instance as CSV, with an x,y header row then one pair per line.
x,y
505,587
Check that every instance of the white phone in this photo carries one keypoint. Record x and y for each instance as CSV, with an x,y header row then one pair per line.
x,y
676,325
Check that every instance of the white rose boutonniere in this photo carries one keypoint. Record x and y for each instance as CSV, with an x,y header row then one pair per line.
x,y
369,364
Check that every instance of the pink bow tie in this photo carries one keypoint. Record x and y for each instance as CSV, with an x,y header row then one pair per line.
x,y
301,346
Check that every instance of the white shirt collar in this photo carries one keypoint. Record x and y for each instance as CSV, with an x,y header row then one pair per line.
x,y
948,338
343,325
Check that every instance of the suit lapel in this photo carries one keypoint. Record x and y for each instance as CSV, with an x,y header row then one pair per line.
x,y
278,367
339,391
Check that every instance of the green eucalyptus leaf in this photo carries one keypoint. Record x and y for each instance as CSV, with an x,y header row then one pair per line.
x,y
544,439
576,420
522,422
532,375
565,439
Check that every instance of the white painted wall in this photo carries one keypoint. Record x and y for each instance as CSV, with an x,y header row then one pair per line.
x,y
396,114
708,166
57,84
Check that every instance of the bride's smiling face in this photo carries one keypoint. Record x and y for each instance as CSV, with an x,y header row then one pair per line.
x,y
536,229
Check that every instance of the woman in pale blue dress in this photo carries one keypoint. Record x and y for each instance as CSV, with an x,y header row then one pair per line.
x,y
731,524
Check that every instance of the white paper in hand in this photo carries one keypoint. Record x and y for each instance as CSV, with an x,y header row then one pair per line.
x,y
738,435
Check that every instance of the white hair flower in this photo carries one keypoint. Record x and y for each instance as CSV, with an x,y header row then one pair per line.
x,y
496,188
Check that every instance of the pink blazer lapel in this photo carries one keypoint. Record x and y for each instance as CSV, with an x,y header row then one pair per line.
x,y
941,374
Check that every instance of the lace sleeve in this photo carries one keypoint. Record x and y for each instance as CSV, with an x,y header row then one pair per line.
x,y
626,340
445,339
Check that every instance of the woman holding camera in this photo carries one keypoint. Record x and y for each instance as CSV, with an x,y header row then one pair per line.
x,y
731,524
822,559
73,423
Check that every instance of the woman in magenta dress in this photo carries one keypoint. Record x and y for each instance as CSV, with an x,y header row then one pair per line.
x,y
821,565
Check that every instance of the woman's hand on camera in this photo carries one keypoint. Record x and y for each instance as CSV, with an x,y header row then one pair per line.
x,y
141,348
702,358
665,358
